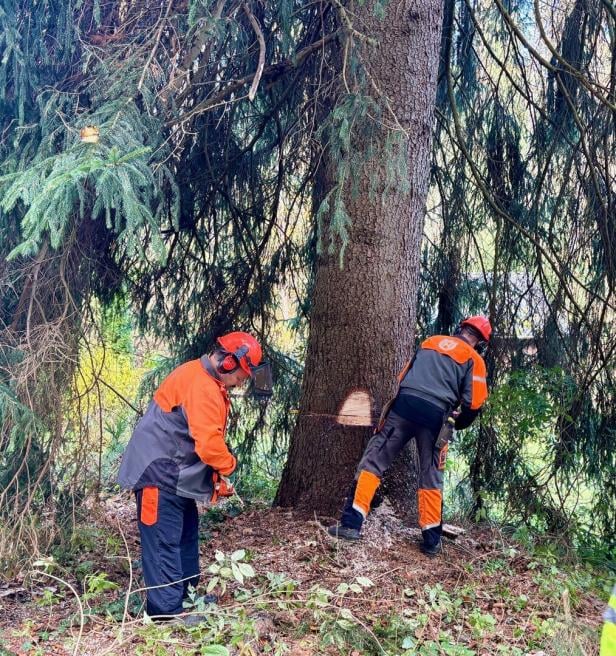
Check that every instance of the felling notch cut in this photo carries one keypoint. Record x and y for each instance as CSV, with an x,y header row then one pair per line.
x,y
356,410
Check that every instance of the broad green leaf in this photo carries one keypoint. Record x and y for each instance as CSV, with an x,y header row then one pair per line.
x,y
214,650
346,614
246,570
237,573
345,624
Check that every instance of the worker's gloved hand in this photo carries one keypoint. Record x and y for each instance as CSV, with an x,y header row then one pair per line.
x,y
223,487
465,417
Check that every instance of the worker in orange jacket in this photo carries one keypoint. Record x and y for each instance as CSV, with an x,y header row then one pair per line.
x,y
176,456
446,373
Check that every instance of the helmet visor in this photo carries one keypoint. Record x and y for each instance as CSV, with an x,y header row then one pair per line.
x,y
262,383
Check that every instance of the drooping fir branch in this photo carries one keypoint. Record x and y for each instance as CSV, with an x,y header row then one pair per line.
x,y
520,228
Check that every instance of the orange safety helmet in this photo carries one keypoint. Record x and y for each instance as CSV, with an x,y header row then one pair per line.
x,y
244,348
480,324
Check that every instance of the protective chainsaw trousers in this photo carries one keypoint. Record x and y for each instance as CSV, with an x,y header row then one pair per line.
x,y
380,452
169,530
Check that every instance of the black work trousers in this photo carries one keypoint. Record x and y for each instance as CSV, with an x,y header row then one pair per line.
x,y
379,454
169,530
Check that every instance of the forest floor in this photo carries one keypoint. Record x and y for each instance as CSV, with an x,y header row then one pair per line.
x,y
290,589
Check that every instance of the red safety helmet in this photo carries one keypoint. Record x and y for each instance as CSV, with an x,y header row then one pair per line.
x,y
244,348
480,324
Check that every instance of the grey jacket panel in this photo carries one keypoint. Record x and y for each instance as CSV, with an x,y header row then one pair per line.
x,y
161,453
195,481
439,379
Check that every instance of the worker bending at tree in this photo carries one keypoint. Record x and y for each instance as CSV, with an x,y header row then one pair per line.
x,y
176,456
442,387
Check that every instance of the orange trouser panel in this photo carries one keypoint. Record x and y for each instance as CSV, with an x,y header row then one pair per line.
x,y
149,506
429,505
367,484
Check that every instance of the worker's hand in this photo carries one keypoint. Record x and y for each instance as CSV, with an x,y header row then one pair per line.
x,y
223,487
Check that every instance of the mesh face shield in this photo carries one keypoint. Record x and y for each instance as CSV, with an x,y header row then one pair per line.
x,y
481,347
261,385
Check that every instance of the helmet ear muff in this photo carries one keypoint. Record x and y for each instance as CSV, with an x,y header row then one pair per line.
x,y
482,344
232,361
244,347
228,364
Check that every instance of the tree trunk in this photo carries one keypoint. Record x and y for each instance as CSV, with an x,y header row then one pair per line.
x,y
363,315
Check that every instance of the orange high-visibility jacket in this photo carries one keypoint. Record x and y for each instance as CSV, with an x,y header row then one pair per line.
x,y
447,371
180,441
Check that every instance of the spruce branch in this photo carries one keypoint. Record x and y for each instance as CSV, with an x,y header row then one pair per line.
x,y
272,72
257,28
155,46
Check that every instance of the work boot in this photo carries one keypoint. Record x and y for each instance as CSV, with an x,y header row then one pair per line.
x,y
187,621
191,618
430,550
344,532
207,599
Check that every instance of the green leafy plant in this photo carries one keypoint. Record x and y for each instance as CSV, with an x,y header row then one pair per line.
x,y
280,585
214,650
49,597
356,587
228,568
96,584
520,602
481,623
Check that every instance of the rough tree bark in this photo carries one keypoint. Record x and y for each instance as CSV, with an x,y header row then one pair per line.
x,y
363,315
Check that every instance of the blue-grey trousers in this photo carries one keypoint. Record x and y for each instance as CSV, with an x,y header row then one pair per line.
x,y
169,549
379,454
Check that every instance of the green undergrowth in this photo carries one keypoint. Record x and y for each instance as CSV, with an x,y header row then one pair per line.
x,y
513,601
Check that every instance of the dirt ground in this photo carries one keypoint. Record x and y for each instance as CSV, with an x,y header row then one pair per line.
x,y
480,569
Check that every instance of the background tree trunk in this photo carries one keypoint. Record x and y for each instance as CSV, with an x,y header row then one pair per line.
x,y
363,316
